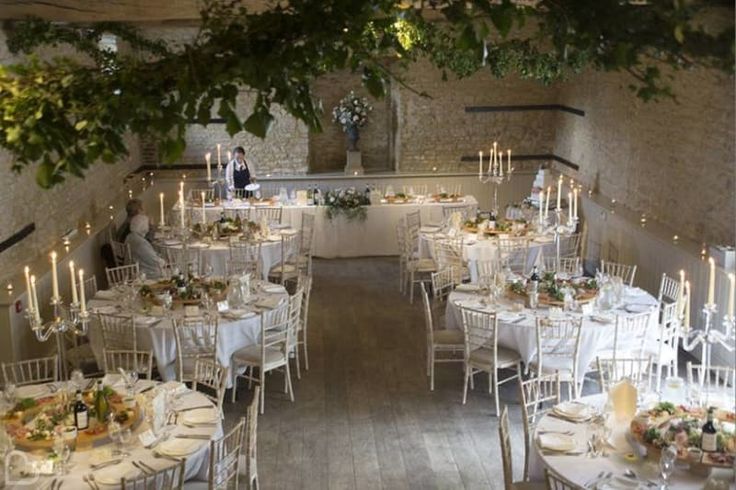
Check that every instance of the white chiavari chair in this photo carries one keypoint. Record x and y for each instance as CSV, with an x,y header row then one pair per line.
x,y
296,303
417,269
558,351
664,354
448,343
537,395
122,275
187,260
465,211
121,253
513,252
482,353
272,214
631,336
195,194
213,376
288,268
716,380
79,353
403,259
487,270
669,289
507,459
31,371
250,453
196,338
90,287
570,245
448,254
568,265
414,220
268,355
624,271
443,283
168,478
637,369
306,240
118,331
245,258
305,284
555,481
138,361
225,461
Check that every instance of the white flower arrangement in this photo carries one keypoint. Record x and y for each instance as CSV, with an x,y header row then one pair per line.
x,y
351,111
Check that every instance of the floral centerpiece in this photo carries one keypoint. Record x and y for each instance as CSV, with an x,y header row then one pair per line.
x,y
348,202
351,113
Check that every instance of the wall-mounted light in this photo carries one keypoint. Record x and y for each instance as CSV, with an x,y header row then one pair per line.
x,y
675,238
9,287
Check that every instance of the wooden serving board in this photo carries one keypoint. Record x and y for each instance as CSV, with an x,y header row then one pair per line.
x,y
544,299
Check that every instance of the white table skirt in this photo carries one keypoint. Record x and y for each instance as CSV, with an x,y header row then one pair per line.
x,y
196,466
521,336
159,337
216,255
580,469
376,236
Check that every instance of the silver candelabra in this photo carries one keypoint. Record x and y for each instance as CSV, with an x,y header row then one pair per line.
x,y
71,319
495,174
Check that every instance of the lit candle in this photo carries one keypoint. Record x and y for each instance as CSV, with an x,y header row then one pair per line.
x,y
686,319
495,158
712,281
490,162
27,270
207,158
569,206
731,287
82,297
219,156
480,164
575,203
181,208
546,205
681,295
35,299
559,192
204,214
161,200
508,170
75,298
500,165
541,206
229,156
54,277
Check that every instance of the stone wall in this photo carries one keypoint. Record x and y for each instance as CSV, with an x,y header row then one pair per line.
x,y
672,160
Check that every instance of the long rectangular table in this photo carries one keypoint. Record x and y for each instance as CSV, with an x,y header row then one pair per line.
x,y
340,237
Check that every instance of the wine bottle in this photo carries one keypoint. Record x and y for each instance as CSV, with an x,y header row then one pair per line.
x,y
534,280
81,413
102,407
708,441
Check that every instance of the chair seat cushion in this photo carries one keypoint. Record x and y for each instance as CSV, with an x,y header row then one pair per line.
x,y
422,265
555,363
504,357
448,337
287,268
252,355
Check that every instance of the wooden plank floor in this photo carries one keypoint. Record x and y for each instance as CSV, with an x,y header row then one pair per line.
x,y
364,416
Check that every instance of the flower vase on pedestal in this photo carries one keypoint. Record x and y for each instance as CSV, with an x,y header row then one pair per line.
x,y
354,164
353,134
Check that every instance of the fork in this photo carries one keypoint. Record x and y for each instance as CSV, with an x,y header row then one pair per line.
x,y
91,479
89,482
138,465
158,455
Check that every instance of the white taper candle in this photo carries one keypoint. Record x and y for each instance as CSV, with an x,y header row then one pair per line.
x,y
75,297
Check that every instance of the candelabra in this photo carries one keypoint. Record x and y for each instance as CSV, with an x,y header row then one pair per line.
x,y
560,229
495,174
72,319
707,337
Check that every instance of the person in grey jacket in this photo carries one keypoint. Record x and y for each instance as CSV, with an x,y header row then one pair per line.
x,y
149,262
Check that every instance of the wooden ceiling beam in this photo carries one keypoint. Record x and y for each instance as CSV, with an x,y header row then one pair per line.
x,y
84,11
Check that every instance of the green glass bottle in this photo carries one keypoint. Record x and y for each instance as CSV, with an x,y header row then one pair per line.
x,y
102,406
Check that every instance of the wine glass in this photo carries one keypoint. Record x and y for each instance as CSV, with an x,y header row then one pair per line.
x,y
131,379
77,379
667,464
124,438
114,429
10,393
63,453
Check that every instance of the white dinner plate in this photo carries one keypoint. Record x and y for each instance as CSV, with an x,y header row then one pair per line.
x,y
573,410
637,308
180,447
252,187
556,442
113,474
201,416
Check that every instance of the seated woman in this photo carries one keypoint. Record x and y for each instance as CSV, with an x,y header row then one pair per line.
x,y
141,250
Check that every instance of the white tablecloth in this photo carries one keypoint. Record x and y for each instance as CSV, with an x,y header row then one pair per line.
x,y
339,237
518,331
197,463
159,337
216,254
581,469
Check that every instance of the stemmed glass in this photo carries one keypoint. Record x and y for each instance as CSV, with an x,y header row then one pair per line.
x,y
116,435
10,393
131,378
77,379
667,464
63,452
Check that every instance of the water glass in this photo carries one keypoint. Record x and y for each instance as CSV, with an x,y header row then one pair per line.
x,y
10,393
667,464
114,429
77,379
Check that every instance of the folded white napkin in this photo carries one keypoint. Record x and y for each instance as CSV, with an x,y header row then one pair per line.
x,y
556,442
107,294
573,410
467,287
201,416
508,316
269,302
180,447
273,288
237,314
112,475
175,387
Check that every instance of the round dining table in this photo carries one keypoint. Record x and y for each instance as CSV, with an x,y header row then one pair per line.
x,y
517,324
236,328
98,467
622,464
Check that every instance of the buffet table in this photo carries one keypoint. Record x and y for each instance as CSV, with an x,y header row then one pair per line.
x,y
340,237
99,463
235,329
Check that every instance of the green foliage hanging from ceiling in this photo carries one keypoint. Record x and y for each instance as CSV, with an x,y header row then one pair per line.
x,y
65,114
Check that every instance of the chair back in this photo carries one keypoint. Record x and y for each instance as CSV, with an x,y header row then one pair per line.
x,y
245,258
275,331
513,253
637,369
555,481
196,338
195,194
225,458
537,395
505,442
669,328
465,211
567,265
443,283
186,260
487,270
428,316
570,245
306,239
130,360
121,253
122,275
90,287
479,328
169,478
272,214
31,371
414,220
212,375
624,271
669,289
449,253
558,343
251,440
118,331
305,284
296,302
715,378
631,335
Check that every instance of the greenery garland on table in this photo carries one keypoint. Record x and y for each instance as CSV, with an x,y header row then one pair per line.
x,y
65,114
349,202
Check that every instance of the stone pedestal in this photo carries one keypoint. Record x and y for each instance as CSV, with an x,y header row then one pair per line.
x,y
355,163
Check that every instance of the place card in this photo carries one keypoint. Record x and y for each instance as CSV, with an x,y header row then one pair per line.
x,y
147,438
191,310
222,306
586,308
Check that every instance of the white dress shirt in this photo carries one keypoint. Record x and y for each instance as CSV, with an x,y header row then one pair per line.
x,y
231,166
142,251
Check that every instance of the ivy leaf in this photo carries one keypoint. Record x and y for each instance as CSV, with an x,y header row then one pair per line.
x,y
373,82
80,125
258,123
503,18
